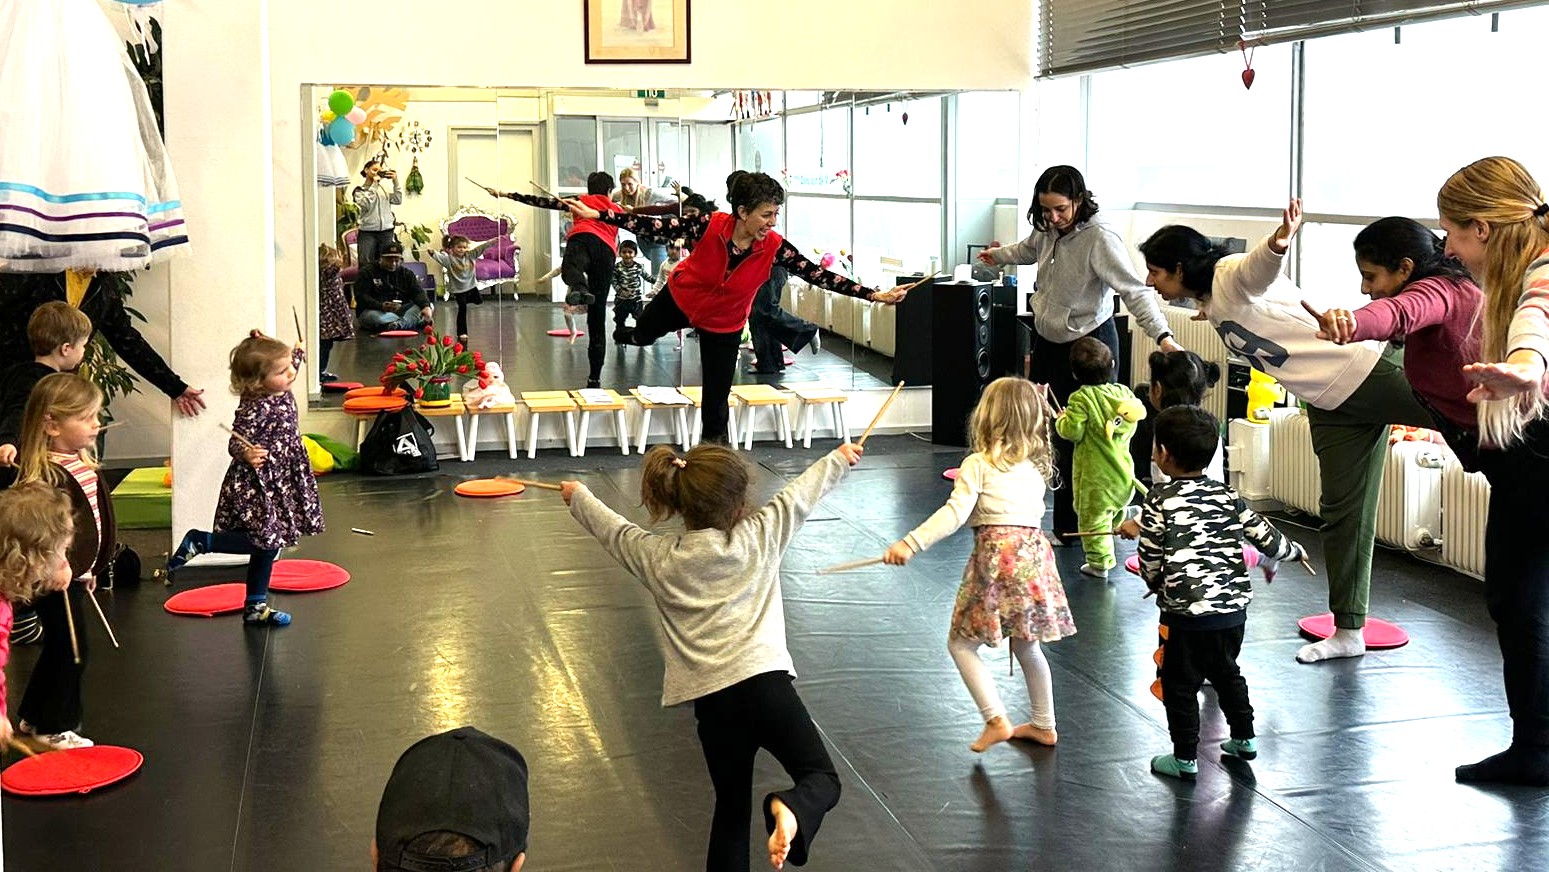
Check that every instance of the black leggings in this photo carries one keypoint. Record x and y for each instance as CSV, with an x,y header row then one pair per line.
x,y
587,267
1189,657
52,701
1516,579
762,712
773,327
717,355
1051,366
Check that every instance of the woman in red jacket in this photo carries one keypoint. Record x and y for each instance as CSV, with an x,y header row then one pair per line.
x,y
712,290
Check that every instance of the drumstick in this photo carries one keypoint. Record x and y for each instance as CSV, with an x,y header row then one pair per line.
x,y
846,567
880,412
472,182
1307,566
546,485
75,644
544,191
912,285
297,318
240,438
105,625
1085,535
109,425
22,747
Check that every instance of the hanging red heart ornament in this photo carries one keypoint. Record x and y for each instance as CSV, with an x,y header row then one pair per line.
x,y
1247,61
1247,78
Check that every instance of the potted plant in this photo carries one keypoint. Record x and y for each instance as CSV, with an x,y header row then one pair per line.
x,y
426,372
419,234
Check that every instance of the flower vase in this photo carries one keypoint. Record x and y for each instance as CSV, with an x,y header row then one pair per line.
x,y
437,393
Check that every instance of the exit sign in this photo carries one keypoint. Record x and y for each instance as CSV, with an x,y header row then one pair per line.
x,y
651,95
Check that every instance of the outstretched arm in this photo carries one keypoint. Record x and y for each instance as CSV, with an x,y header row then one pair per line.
x,y
540,202
657,227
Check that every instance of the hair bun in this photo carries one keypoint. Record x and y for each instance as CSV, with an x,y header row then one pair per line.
x,y
255,334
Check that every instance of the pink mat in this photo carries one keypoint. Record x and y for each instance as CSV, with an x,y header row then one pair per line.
x,y
399,334
563,332
950,475
1378,633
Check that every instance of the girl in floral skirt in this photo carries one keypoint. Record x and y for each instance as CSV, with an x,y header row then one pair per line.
x,y
269,498
1011,587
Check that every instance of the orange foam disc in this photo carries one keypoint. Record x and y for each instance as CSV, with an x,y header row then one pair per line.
x,y
73,770
377,403
369,391
489,487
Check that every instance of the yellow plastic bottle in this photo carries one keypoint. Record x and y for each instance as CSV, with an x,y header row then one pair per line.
x,y
1263,392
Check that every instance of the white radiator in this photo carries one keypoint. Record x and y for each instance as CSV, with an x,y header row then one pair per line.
x,y
1409,504
1198,337
1465,507
1293,473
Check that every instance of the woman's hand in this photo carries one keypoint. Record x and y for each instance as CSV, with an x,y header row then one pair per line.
x,y
1290,222
1522,371
580,210
7,454
90,581
1335,325
898,553
493,193
567,490
255,456
189,403
1169,344
987,256
889,297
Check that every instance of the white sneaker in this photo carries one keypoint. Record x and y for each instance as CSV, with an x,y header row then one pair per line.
x,y
1095,572
55,741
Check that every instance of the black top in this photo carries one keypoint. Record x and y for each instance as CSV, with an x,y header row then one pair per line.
x,y
375,285
16,386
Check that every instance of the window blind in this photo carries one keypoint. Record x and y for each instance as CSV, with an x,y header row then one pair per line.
x,y
1083,36
1275,21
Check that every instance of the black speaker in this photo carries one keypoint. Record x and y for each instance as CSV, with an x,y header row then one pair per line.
x,y
911,334
1010,340
961,363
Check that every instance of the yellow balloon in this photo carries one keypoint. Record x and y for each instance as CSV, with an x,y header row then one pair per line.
x,y
329,116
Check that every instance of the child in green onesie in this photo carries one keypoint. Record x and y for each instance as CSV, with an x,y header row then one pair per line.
x,y
1099,420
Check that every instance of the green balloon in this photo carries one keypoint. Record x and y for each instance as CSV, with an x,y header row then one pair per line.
x,y
341,102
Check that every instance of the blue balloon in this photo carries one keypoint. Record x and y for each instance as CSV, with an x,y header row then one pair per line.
x,y
341,131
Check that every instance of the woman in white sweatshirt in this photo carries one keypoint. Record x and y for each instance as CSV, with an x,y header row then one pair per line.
x,y
1353,392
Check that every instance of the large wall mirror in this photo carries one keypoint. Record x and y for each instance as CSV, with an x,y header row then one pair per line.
x,y
879,185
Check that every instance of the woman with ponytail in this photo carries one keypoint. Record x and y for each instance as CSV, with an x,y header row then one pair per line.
x,y
1497,224
717,592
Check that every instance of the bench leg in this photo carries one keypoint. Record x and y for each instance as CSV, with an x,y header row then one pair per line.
x,y
532,434
575,451
621,429
683,433
511,446
580,444
464,447
645,426
804,421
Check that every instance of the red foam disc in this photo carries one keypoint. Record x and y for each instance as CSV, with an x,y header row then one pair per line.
x,y
304,576
73,770
950,475
208,601
337,386
565,333
489,487
371,391
399,334
1378,633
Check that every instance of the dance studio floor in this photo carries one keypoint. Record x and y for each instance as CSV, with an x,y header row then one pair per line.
x,y
268,749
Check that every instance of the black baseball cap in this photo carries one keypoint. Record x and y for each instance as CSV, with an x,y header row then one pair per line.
x,y
463,781
391,249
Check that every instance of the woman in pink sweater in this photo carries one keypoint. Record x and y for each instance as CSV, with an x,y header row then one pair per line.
x,y
1428,303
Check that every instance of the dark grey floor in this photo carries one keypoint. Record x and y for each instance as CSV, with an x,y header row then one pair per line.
x,y
269,749
515,334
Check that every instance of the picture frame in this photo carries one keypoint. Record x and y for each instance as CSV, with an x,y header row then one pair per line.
x,y
637,31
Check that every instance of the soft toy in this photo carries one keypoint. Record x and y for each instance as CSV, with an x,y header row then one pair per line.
x,y
490,392
1401,433
1263,391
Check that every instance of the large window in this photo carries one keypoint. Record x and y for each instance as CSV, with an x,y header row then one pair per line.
x,y
818,151
895,157
1189,132
1387,122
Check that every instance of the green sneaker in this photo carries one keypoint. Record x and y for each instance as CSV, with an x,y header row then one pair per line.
x,y
1171,766
1247,749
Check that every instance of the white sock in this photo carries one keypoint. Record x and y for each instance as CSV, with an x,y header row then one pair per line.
x,y
1344,643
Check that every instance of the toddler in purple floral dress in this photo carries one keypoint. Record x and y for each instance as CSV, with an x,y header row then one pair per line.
x,y
1011,586
269,498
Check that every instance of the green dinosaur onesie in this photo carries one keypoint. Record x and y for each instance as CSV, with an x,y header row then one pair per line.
x,y
1100,419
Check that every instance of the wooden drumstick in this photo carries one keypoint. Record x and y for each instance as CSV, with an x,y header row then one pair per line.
x,y
105,625
544,191
546,485
846,567
880,412
75,644
296,317
22,747
239,437
912,285
1087,535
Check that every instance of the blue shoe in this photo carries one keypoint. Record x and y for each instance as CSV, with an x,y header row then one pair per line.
x,y
1172,767
260,613
195,542
1246,749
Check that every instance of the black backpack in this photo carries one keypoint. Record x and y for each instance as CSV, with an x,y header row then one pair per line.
x,y
398,444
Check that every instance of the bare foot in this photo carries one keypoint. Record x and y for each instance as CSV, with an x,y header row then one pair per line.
x,y
996,730
784,833
1031,733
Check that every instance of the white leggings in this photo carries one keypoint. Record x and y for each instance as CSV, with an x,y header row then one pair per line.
x,y
981,684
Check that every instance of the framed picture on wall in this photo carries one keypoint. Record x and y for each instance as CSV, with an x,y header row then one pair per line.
x,y
637,31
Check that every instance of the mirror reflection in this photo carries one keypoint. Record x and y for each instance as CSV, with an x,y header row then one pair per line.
x,y
879,187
